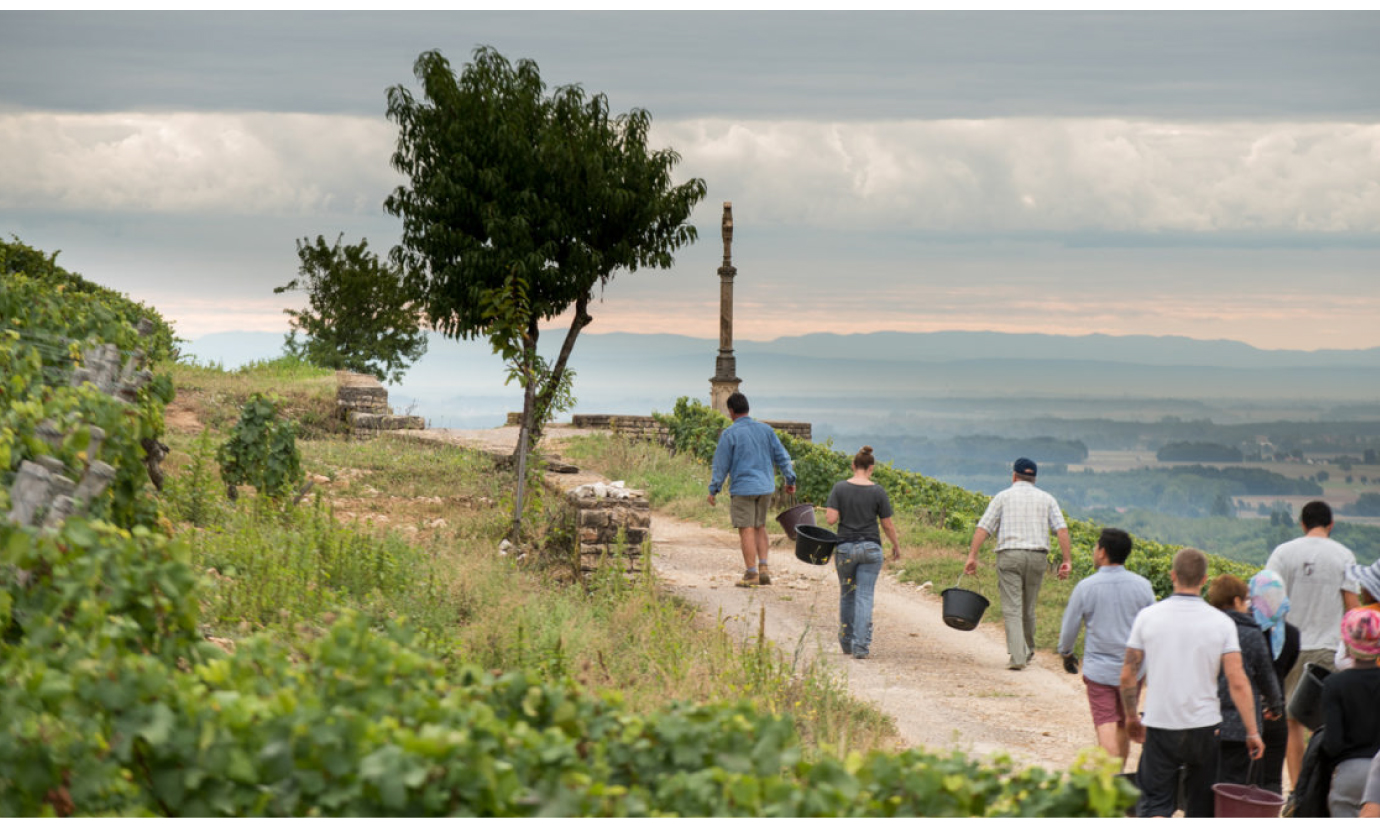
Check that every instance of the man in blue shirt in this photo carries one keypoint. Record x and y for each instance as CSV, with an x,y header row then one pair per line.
x,y
747,452
1107,602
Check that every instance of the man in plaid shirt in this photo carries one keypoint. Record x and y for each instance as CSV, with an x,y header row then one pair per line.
x,y
1021,517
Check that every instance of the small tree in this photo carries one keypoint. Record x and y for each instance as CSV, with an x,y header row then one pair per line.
x,y
358,317
518,205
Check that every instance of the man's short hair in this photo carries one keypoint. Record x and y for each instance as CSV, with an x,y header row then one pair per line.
x,y
737,403
1190,567
1315,514
1116,543
1225,589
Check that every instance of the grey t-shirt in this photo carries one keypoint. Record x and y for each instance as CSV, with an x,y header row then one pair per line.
x,y
859,507
1314,573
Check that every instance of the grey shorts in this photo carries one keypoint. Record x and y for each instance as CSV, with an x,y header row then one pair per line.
x,y
749,510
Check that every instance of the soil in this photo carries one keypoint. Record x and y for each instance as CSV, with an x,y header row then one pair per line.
x,y
946,689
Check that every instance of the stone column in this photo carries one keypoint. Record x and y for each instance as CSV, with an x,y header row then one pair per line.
x,y
725,381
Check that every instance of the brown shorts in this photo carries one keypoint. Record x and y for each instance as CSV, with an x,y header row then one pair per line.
x,y
749,510
1106,703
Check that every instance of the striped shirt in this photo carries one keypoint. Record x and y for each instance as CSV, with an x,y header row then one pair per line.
x,y
1021,517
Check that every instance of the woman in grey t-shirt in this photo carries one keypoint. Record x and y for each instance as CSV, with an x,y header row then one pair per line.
x,y
857,505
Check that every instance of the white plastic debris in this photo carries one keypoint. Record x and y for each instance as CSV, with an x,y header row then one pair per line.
x,y
504,546
616,490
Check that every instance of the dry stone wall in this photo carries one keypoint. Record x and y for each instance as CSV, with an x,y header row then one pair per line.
x,y
648,428
604,514
362,402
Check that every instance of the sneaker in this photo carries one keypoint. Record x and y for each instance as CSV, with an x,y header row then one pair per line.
x,y
749,579
763,577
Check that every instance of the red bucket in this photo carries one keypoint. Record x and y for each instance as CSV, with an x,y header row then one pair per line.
x,y
1246,801
800,515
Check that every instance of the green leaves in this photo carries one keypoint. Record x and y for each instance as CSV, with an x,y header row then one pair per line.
x,y
359,316
261,450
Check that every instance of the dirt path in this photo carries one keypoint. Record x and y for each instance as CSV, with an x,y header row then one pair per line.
x,y
946,689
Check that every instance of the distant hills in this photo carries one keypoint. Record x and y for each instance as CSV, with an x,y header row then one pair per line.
x,y
624,372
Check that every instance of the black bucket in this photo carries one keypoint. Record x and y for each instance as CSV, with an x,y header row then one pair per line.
x,y
1305,705
963,608
814,544
802,514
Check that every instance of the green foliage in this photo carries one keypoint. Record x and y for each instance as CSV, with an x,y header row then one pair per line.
x,y
694,428
66,305
261,450
195,496
359,316
519,203
1198,452
48,323
360,724
274,568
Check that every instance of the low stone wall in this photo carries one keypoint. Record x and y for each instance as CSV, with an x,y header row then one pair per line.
x,y
647,427
362,402
599,521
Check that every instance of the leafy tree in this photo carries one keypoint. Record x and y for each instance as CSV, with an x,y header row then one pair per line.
x,y
1367,505
518,204
358,317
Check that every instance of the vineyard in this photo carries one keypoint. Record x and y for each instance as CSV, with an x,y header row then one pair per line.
x,y
332,702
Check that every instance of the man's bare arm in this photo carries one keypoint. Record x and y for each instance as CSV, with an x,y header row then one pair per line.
x,y
1130,693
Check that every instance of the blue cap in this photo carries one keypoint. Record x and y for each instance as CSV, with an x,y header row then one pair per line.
x,y
1025,466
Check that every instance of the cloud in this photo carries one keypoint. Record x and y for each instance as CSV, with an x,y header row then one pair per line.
x,y
1042,174
1011,175
251,163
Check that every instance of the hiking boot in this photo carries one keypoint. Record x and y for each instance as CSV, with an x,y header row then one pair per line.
x,y
750,579
763,577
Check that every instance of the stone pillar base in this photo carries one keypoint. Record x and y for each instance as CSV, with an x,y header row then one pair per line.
x,y
719,390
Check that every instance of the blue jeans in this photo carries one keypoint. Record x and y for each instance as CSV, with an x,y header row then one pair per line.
x,y
858,565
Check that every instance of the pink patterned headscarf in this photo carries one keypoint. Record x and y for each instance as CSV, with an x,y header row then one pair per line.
x,y
1361,631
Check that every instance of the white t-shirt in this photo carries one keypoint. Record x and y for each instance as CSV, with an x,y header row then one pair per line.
x,y
1183,638
1314,573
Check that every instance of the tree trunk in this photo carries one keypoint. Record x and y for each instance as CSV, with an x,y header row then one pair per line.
x,y
577,323
525,439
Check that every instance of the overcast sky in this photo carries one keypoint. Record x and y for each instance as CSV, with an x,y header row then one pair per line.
x,y
1207,175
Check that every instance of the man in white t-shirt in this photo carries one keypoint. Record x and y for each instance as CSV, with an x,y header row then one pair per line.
x,y
1314,571
1183,643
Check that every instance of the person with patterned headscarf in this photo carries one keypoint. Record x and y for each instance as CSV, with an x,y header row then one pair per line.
x,y
1368,577
1270,606
1351,713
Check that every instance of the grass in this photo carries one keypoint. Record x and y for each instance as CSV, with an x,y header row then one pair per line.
x,y
408,531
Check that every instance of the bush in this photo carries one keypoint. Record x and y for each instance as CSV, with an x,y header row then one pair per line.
x,y
261,450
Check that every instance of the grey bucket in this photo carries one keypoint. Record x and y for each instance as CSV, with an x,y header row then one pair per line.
x,y
1305,705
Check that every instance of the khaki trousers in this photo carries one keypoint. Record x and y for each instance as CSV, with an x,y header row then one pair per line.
x,y
1020,572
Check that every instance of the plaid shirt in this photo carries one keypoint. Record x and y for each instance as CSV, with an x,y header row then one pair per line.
x,y
1022,517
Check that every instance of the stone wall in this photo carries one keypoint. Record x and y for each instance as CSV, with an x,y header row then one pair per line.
x,y
362,402
645,426
600,519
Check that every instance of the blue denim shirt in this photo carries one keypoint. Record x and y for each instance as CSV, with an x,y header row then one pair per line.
x,y
1107,602
747,452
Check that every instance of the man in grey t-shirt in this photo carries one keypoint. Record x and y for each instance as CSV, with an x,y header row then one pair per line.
x,y
1314,571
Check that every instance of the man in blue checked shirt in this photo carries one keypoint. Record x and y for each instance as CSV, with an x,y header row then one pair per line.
x,y
1107,602
747,452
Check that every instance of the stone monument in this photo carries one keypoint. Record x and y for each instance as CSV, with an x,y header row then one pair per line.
x,y
725,381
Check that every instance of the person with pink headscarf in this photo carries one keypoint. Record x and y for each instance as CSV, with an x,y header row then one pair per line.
x,y
1351,714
